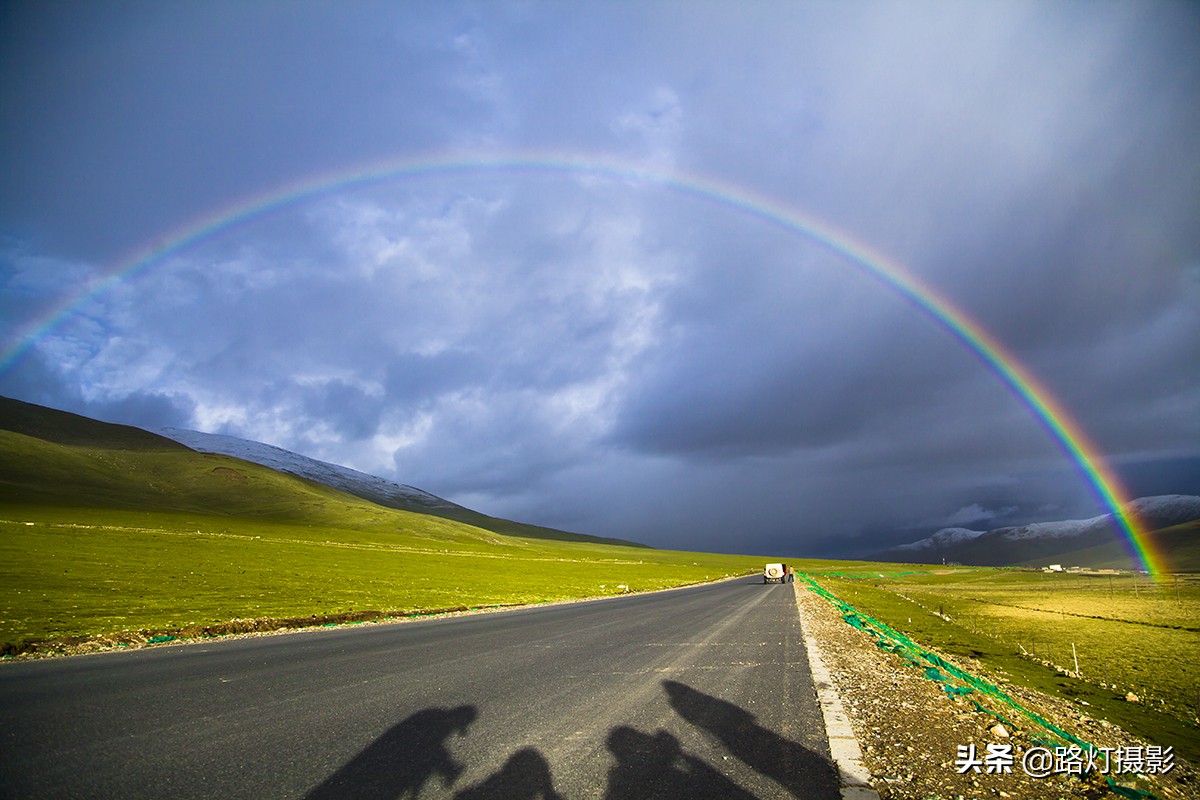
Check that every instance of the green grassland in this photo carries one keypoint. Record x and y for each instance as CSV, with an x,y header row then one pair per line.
x,y
1129,634
105,529
122,570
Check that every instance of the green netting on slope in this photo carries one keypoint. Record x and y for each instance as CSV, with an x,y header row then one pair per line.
x,y
1128,791
955,681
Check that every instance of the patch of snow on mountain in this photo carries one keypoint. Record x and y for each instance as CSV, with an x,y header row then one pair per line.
x,y
943,538
1167,509
348,480
1051,530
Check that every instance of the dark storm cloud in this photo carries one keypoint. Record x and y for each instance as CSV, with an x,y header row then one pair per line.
x,y
351,412
127,118
41,383
603,355
413,378
145,410
1162,476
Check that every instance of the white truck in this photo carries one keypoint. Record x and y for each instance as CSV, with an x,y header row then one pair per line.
x,y
777,573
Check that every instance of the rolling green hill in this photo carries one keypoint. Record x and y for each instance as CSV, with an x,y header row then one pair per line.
x,y
106,529
88,436
62,427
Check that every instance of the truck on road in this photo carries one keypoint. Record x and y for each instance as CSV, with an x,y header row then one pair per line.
x,y
777,573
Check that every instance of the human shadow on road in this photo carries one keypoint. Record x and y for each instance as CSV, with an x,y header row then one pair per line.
x,y
525,776
801,771
402,760
655,766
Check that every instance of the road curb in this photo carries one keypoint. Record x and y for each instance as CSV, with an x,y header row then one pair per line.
x,y
853,775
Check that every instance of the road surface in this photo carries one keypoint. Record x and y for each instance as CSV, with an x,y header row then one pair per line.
x,y
701,692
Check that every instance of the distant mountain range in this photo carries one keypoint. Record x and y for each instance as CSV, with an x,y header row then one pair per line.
x,y
1090,542
1172,522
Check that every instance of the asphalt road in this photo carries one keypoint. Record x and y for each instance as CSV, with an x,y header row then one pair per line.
x,y
702,692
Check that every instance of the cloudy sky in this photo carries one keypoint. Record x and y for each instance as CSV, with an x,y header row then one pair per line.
x,y
582,347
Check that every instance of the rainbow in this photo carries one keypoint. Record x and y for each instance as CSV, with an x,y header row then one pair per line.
x,y
1053,417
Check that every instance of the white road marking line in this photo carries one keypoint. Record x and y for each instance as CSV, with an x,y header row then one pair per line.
x,y
843,745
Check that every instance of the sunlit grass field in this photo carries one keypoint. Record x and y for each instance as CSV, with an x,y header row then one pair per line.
x,y
124,570
1130,635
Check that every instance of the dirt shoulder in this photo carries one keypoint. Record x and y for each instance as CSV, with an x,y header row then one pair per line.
x,y
910,730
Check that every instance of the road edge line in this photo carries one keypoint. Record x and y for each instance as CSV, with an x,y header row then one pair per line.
x,y
853,775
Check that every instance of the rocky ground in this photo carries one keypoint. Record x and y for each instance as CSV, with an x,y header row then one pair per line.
x,y
910,730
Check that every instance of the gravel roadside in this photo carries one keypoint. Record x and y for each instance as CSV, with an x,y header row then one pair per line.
x,y
910,730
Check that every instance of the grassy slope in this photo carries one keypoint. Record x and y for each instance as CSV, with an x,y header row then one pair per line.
x,y
61,427
104,528
506,527
1130,635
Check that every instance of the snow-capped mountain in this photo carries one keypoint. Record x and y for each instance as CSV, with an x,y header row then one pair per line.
x,y
1041,540
1167,509
369,487
1162,511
